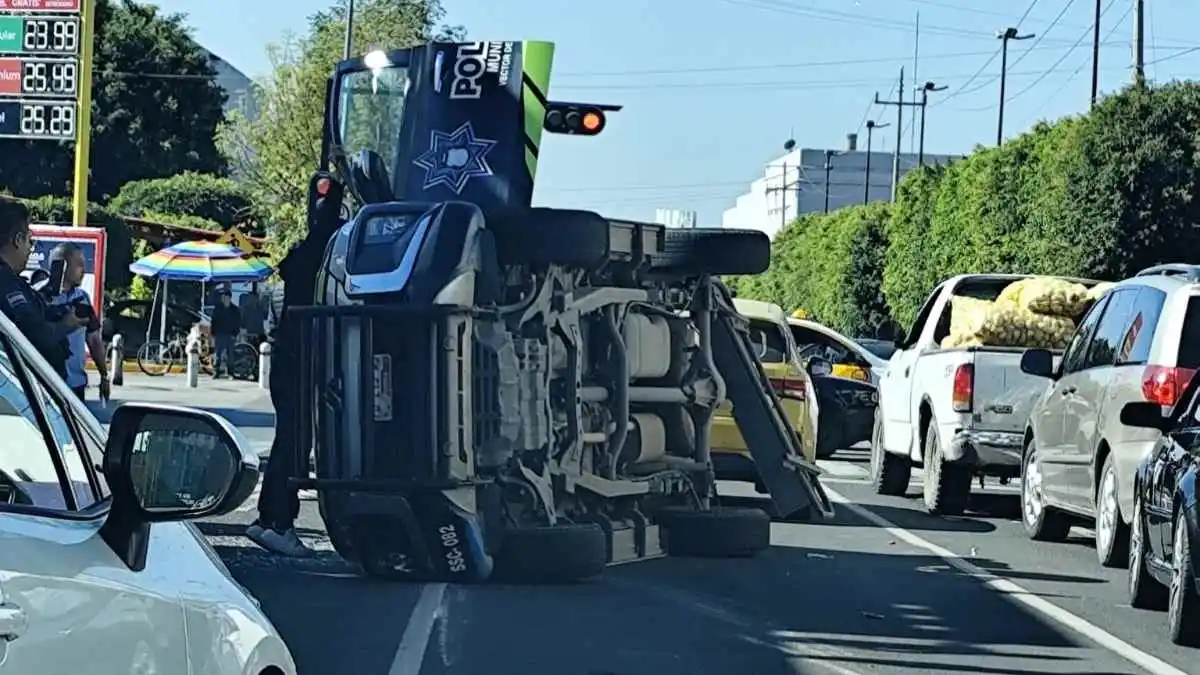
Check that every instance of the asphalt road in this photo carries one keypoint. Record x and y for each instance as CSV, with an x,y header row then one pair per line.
x,y
882,588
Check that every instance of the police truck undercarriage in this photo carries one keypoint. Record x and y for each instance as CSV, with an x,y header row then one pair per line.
x,y
493,390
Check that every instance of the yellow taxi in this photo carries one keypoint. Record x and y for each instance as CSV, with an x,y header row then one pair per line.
x,y
781,364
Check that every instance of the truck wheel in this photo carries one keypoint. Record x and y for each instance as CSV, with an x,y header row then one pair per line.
x,y
1042,523
719,533
890,474
947,485
552,554
714,250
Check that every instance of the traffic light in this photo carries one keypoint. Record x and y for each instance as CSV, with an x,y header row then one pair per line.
x,y
575,119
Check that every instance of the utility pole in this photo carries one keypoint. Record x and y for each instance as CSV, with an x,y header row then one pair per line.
x,y
925,89
349,47
899,103
784,187
1096,53
1004,37
829,155
1139,42
871,127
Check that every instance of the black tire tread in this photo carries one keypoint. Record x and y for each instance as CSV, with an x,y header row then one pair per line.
x,y
895,471
551,554
952,493
722,532
714,250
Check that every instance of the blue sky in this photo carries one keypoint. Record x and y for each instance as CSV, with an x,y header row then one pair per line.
x,y
713,88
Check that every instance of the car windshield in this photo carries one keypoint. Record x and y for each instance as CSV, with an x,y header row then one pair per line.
x,y
370,111
881,348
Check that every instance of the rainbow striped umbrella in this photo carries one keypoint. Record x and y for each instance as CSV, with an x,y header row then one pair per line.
x,y
201,261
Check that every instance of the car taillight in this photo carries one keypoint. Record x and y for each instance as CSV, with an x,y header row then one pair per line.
x,y
789,388
1164,384
963,392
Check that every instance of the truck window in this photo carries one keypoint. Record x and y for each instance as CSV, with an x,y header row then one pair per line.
x,y
914,333
980,289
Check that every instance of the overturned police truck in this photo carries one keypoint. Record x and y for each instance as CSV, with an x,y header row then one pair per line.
x,y
493,390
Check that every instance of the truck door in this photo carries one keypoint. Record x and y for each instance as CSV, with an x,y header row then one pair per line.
x,y
895,387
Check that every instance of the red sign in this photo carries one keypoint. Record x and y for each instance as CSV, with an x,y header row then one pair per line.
x,y
39,5
10,76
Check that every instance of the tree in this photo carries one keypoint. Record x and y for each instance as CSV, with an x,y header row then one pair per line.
x,y
277,152
217,201
155,109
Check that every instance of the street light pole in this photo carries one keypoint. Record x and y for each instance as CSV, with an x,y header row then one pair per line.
x,y
871,127
829,155
1008,34
349,47
1096,53
925,89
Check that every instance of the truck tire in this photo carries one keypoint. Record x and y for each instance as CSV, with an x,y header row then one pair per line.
x,y
947,485
890,474
714,250
552,554
566,237
1041,522
719,533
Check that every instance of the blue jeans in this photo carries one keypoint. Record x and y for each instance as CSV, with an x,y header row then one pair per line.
x,y
222,352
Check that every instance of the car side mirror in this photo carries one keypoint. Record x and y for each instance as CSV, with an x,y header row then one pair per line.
x,y
1144,415
1038,362
819,367
168,463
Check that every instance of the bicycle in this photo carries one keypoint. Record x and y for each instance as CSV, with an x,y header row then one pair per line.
x,y
156,358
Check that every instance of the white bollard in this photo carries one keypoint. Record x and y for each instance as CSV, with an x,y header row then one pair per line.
x,y
193,364
264,365
116,360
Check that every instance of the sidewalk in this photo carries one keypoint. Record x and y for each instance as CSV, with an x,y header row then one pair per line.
x,y
242,403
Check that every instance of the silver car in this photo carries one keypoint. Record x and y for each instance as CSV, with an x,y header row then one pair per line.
x,y
1140,341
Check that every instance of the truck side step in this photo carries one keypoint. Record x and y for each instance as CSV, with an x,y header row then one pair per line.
x,y
791,481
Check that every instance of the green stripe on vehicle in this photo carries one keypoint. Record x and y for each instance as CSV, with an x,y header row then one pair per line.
x,y
537,57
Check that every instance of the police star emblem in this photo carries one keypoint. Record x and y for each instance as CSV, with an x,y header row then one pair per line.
x,y
454,158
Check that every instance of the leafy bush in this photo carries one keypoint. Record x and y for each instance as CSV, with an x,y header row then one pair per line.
x,y
214,199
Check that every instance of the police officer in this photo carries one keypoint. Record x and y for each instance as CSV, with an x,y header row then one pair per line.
x,y
278,501
44,327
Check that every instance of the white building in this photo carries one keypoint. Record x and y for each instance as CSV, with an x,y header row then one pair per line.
x,y
675,218
795,184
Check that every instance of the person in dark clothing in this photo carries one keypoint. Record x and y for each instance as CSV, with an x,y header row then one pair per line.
x,y
45,327
226,324
278,501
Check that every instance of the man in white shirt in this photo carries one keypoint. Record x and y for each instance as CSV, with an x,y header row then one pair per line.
x,y
87,338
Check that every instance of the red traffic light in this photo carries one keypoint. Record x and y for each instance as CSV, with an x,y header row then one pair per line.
x,y
574,120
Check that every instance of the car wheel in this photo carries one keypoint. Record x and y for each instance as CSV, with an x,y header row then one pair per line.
x,y
890,474
1112,534
947,486
718,533
1145,592
1042,523
1183,609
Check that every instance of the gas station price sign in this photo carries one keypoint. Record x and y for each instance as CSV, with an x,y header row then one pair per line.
x,y
40,41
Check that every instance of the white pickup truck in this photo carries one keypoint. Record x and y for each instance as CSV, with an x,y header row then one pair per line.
x,y
956,412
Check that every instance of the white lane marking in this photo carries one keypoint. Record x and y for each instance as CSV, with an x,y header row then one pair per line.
x,y
842,468
1112,643
411,652
251,502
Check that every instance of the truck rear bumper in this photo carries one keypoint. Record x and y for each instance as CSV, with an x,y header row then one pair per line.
x,y
987,450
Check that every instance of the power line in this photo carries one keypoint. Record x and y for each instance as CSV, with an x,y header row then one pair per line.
x,y
779,6
1083,36
1086,61
1185,52
965,87
1041,35
771,66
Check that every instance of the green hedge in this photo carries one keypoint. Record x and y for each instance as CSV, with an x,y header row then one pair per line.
x,y
209,198
1100,195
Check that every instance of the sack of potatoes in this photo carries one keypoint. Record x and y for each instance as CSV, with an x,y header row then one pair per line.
x,y
1047,295
975,322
